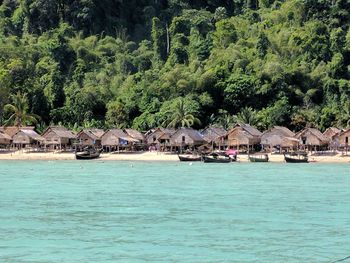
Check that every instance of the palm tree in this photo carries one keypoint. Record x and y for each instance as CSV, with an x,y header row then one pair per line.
x,y
41,127
247,116
306,96
19,111
180,116
223,119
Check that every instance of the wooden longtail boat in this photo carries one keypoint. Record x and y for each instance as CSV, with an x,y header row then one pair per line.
x,y
190,158
218,158
212,159
259,158
88,154
300,157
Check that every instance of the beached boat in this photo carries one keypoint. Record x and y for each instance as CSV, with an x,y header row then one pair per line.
x,y
299,157
217,158
190,158
88,154
258,158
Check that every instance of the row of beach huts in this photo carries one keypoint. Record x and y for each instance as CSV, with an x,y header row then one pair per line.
x,y
242,137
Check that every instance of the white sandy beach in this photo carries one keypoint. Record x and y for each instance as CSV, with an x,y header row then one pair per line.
x,y
150,156
146,156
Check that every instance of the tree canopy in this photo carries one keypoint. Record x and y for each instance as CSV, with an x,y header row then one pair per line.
x,y
146,63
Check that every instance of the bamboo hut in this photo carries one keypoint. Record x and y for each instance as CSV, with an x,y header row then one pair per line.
x,y
342,140
27,138
243,136
58,137
135,135
5,139
116,139
312,139
279,138
331,133
213,133
140,137
214,136
160,136
12,130
89,137
186,137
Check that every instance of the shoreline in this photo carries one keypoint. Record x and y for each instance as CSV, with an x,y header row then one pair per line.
x,y
149,156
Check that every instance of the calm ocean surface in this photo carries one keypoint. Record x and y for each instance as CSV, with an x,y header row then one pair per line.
x,y
70,211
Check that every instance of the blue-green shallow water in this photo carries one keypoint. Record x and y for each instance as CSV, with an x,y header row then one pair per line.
x,y
173,212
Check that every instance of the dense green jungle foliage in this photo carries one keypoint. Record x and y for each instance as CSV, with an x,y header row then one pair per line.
x,y
146,63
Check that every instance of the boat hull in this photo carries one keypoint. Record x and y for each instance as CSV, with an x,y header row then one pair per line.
x,y
190,158
255,159
87,156
295,160
208,159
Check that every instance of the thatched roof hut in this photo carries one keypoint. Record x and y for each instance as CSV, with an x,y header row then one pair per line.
x,y
147,133
160,135
90,137
12,130
213,133
27,137
135,135
331,132
312,137
279,136
5,139
58,135
116,137
187,137
243,134
342,139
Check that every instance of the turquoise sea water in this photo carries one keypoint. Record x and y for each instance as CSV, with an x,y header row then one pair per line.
x,y
173,212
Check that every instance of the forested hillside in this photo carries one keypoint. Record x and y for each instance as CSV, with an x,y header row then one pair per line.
x,y
145,63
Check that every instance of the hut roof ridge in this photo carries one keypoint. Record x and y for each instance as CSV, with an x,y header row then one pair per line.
x,y
94,133
280,130
61,132
32,134
194,134
248,129
315,132
135,134
344,131
12,130
5,135
168,130
121,134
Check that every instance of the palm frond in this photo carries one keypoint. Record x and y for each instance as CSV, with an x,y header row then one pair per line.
x,y
311,92
11,120
299,93
10,108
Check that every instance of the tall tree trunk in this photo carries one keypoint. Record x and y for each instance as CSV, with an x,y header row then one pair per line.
x,y
167,39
